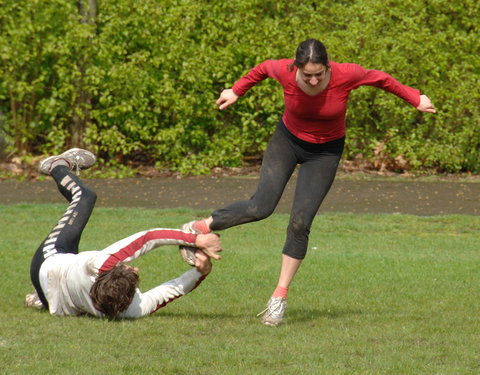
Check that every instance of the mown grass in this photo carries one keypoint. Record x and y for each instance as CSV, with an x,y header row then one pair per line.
x,y
377,294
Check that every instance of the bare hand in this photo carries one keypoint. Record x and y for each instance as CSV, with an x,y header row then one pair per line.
x,y
210,244
226,98
202,262
426,105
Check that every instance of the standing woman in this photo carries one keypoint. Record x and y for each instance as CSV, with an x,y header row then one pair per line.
x,y
311,133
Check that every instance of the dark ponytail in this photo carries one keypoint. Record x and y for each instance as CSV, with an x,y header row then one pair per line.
x,y
310,50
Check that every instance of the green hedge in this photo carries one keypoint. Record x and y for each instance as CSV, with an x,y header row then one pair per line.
x,y
136,81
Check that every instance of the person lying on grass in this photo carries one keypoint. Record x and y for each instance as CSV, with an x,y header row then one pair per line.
x,y
101,283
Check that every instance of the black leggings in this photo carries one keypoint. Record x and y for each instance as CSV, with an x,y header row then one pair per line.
x,y
319,164
65,236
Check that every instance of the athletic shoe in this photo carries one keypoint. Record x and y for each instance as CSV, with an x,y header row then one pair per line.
x,y
187,252
273,313
32,300
74,158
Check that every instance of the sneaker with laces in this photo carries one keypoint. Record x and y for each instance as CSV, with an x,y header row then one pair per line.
x,y
32,300
187,252
272,315
74,158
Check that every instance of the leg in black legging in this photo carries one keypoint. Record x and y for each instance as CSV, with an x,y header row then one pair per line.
x,y
315,178
65,236
278,164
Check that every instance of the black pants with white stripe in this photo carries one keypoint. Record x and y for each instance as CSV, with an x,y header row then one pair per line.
x,y
65,236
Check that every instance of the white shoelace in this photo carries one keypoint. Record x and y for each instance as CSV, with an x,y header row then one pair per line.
x,y
275,307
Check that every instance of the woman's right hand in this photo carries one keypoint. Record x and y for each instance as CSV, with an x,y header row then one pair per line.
x,y
226,98
210,244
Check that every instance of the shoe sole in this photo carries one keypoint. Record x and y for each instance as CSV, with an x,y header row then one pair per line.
x,y
46,164
270,323
187,252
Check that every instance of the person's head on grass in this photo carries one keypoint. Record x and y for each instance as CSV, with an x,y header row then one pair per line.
x,y
113,290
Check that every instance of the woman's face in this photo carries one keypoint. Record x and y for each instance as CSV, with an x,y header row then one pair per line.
x,y
313,74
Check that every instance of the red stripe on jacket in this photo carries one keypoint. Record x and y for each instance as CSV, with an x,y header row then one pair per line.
x,y
129,250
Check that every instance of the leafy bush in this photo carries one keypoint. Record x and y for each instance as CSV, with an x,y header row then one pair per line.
x,y
137,81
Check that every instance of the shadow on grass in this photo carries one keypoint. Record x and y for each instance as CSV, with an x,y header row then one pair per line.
x,y
293,315
297,315
199,315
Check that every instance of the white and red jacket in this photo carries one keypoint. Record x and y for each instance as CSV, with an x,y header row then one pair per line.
x,y
66,279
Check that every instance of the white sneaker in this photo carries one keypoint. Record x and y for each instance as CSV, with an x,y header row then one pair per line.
x,y
32,300
74,158
187,252
273,313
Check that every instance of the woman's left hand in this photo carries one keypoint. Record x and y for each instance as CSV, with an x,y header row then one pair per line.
x,y
210,244
426,104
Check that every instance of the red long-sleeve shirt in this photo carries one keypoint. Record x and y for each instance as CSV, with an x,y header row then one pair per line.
x,y
321,118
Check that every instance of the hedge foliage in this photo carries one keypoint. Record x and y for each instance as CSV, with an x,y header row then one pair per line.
x,y
137,81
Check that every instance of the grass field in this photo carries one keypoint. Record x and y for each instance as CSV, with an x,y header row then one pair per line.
x,y
377,294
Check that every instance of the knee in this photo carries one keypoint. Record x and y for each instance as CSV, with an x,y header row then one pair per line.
x,y
89,195
261,206
257,212
298,227
297,238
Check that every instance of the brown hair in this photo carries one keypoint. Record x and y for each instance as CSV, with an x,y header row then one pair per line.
x,y
310,50
113,290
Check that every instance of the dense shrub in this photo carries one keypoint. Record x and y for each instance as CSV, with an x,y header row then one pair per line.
x,y
137,81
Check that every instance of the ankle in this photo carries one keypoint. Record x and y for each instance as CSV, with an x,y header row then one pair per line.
x,y
280,291
60,162
201,226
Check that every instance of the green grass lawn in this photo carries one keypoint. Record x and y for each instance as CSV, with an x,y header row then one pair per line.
x,y
377,294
